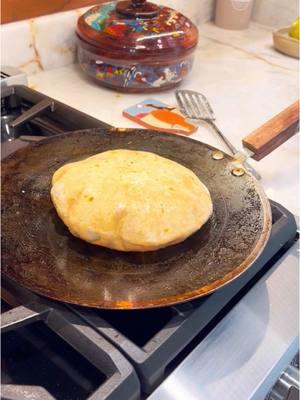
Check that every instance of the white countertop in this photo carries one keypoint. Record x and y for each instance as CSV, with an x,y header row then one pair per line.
x,y
246,81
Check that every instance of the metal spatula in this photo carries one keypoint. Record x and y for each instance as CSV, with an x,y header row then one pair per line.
x,y
195,106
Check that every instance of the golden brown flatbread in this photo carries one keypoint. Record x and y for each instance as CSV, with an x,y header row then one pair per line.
x,y
130,200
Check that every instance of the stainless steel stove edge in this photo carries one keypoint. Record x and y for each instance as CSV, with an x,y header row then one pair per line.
x,y
246,353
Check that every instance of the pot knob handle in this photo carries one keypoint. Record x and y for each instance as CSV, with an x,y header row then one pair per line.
x,y
138,3
137,9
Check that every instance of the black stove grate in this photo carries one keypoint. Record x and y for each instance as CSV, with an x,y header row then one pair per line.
x,y
32,356
49,353
139,326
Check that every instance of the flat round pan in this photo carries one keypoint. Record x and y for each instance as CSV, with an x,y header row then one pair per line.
x,y
40,253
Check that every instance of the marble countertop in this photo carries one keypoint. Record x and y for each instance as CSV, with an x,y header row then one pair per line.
x,y
246,81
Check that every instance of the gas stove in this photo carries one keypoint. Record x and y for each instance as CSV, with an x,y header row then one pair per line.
x,y
56,351
27,115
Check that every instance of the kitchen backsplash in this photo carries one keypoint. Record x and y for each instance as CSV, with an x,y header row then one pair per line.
x,y
48,42
41,43
276,13
197,10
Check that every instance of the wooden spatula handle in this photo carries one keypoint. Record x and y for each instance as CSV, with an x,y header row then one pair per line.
x,y
273,133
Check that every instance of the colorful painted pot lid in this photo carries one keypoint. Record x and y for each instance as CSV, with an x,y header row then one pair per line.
x,y
137,30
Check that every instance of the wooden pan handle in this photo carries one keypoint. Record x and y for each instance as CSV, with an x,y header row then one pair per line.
x,y
273,133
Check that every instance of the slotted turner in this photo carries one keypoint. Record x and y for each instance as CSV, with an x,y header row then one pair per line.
x,y
195,106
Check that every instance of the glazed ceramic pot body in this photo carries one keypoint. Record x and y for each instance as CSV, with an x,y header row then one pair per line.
x,y
128,76
136,54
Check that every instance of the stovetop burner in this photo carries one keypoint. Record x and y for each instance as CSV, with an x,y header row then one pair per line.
x,y
56,351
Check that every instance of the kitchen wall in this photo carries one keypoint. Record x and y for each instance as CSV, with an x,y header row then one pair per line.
x,y
48,42
276,13
196,10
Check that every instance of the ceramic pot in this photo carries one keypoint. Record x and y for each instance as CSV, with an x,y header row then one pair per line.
x,y
136,46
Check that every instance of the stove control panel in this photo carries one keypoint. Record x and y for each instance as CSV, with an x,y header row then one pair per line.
x,y
288,385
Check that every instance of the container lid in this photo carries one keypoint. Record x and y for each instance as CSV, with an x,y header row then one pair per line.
x,y
137,30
